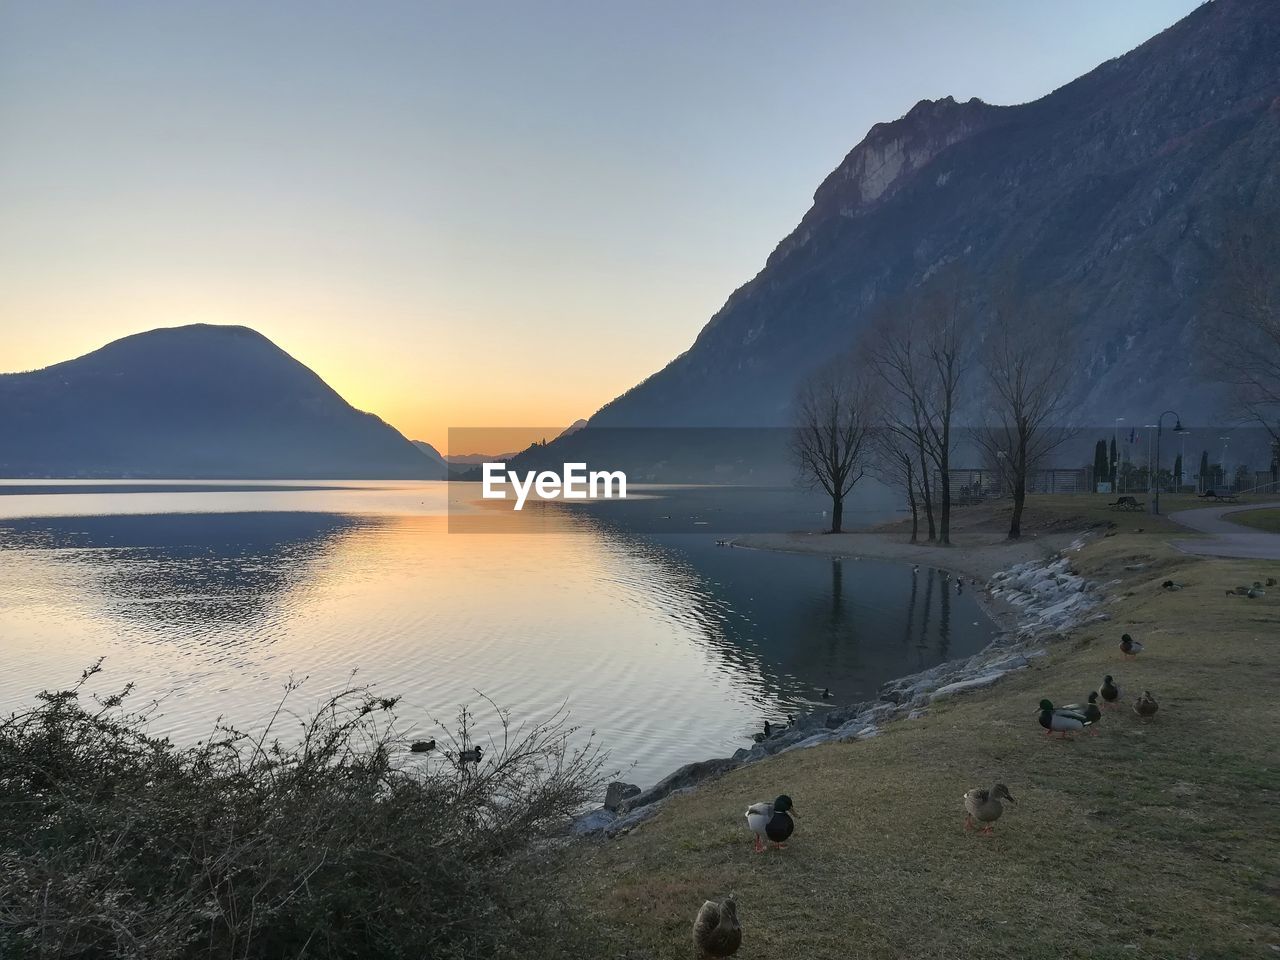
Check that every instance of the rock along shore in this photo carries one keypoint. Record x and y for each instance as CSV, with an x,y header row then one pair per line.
x,y
1040,601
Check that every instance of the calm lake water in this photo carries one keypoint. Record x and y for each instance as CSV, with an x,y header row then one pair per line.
x,y
670,647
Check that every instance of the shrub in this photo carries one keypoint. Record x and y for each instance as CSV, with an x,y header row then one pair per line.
x,y
334,843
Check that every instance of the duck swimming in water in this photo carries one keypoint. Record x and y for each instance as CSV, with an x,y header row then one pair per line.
x,y
773,820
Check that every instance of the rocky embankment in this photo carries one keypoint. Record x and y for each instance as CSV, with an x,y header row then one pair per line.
x,y
1046,600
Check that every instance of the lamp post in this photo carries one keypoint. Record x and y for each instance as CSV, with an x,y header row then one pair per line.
x,y
1151,474
1177,428
1225,440
1115,456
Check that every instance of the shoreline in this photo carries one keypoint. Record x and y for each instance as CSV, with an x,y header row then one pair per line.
x,y
1118,841
1027,589
978,561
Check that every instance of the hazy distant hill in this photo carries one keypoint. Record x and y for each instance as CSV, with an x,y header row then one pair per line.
x,y
432,454
194,401
1112,196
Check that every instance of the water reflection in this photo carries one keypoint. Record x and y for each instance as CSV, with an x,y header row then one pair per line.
x,y
671,647
209,577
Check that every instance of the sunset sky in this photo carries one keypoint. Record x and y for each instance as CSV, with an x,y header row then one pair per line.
x,y
459,214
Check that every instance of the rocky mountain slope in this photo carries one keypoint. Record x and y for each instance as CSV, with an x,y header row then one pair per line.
x,y
1111,198
195,401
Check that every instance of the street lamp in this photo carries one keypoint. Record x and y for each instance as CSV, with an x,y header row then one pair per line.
x,y
1224,440
1151,474
1177,428
1115,455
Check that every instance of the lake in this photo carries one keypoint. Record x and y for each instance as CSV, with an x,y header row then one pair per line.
x,y
671,648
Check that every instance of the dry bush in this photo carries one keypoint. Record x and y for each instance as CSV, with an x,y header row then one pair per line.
x,y
116,843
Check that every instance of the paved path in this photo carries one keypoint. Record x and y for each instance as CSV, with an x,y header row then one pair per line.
x,y
1227,539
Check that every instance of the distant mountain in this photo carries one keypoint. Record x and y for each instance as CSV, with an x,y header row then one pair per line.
x,y
1111,198
474,459
193,401
433,455
571,429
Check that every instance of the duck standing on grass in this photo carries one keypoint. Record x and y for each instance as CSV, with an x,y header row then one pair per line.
x,y
1145,706
983,806
1061,721
1089,711
1129,646
1109,692
773,820
716,932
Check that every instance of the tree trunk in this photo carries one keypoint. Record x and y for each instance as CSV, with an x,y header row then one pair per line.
x,y
837,513
1019,483
1019,501
944,527
915,512
927,494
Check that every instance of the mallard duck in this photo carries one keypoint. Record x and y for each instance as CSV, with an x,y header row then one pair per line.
x,y
470,756
1089,710
716,932
773,820
1109,692
983,806
1061,721
1145,706
762,737
1129,646
422,746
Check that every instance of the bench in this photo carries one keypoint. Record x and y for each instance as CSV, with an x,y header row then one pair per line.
x,y
1127,503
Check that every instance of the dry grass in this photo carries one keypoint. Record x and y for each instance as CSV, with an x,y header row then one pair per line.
x,y
1150,840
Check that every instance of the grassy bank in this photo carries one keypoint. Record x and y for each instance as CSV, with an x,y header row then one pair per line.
x,y
1150,840
1266,520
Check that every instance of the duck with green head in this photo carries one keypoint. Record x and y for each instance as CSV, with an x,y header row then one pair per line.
x,y
772,820
1109,692
1061,720
1089,711
1129,646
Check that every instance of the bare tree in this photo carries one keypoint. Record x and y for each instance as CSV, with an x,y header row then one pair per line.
x,y
1028,372
898,465
893,357
1243,330
946,352
833,415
